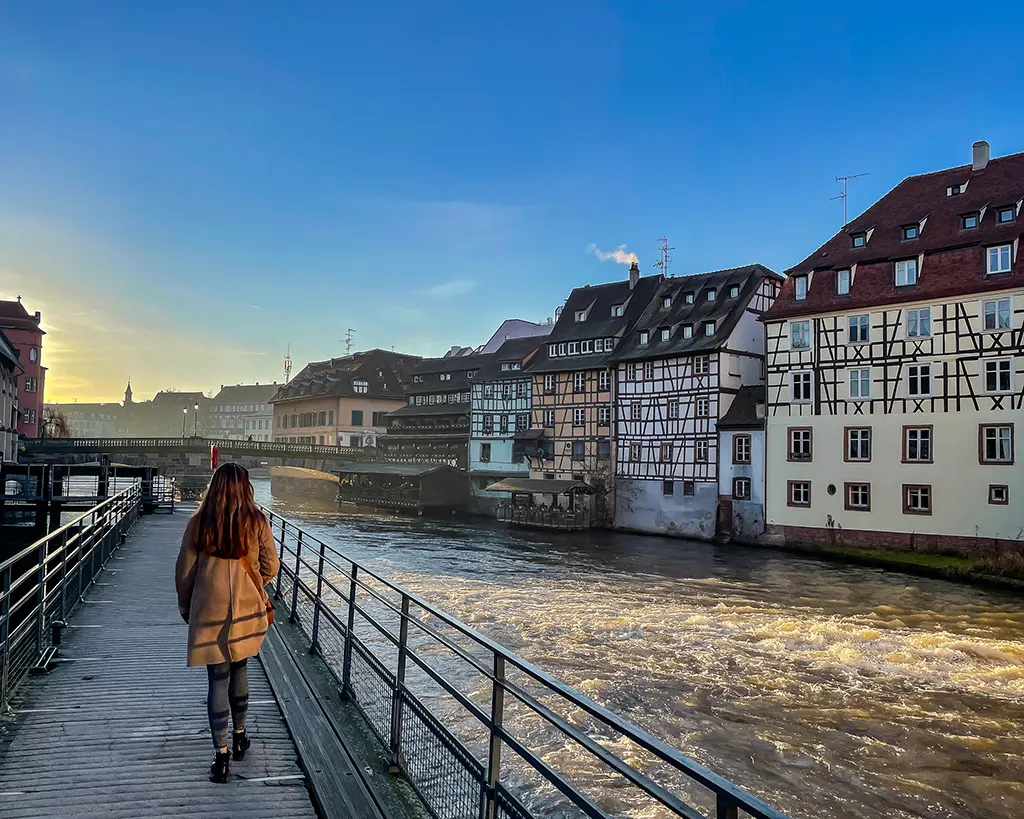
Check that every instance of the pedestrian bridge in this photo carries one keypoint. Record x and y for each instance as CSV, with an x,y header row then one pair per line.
x,y
367,701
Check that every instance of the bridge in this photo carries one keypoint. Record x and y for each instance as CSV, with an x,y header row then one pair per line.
x,y
391,706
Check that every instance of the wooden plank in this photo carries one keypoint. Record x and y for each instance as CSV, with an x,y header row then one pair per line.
x,y
336,783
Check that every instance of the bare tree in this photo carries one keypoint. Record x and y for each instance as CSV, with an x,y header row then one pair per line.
x,y
55,424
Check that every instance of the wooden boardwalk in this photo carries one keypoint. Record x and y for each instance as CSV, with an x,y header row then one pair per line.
x,y
118,729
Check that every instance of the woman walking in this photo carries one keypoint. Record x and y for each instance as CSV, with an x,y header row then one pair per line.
x,y
227,558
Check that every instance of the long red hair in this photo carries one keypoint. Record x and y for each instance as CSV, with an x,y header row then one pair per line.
x,y
228,522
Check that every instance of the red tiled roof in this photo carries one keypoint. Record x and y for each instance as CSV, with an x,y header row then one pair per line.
x,y
14,310
954,259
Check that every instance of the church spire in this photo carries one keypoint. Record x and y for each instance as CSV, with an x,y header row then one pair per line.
x,y
128,393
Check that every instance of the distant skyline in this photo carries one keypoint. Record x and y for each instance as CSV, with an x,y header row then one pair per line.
x,y
187,189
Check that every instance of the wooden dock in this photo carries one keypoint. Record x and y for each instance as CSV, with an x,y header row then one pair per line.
x,y
118,729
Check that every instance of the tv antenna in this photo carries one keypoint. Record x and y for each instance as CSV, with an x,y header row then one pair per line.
x,y
288,364
347,341
844,195
662,263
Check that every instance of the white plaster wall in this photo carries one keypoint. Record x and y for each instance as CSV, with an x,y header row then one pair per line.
x,y
959,483
640,506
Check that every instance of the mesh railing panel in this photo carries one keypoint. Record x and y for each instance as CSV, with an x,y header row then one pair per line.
x,y
448,780
506,806
373,688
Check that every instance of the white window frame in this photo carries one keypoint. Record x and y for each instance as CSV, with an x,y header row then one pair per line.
x,y
805,491
687,331
857,378
553,350
631,372
805,336
550,384
618,310
843,282
549,415
703,408
916,370
712,294
709,328
997,438
636,411
861,436
586,347
702,364
800,288
666,302
609,345
648,371
863,325
604,381
581,315
1008,362
665,452
672,410
1006,209
793,377
688,298
636,452
574,348
906,273
999,259
666,334
702,451
603,416
923,434
645,337
734,291
579,382
914,330
866,487
996,303
579,416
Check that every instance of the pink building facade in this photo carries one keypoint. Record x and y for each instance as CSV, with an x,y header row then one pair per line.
x,y
26,336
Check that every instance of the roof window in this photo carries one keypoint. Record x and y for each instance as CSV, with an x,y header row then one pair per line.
x,y
954,190
617,310
581,315
800,288
859,239
688,298
644,336
666,302
1005,215
968,221
665,333
712,294
908,232
734,291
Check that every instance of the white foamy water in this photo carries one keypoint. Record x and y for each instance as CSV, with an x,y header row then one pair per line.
x,y
825,690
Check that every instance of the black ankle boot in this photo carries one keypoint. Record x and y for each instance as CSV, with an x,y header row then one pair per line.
x,y
221,767
240,743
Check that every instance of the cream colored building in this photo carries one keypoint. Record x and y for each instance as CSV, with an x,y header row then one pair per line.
x,y
343,401
896,367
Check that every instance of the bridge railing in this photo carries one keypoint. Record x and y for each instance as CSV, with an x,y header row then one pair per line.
x,y
480,732
41,585
191,443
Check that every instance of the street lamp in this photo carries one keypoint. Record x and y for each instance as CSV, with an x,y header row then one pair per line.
x,y
184,414
195,423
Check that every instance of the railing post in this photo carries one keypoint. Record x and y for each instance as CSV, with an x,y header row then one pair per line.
x,y
725,808
314,646
41,581
5,633
346,663
280,557
295,578
64,575
494,752
397,700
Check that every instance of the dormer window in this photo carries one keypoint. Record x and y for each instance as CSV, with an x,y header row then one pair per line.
x,y
581,315
617,310
908,232
446,376
709,328
666,302
712,294
665,334
906,273
1005,215
688,298
687,331
552,350
504,366
968,221
954,190
360,386
471,374
842,282
800,288
734,291
644,336
859,239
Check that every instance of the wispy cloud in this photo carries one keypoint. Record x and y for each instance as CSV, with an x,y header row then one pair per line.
x,y
620,255
450,289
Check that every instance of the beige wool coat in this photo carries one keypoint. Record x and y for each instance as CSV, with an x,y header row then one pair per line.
x,y
226,613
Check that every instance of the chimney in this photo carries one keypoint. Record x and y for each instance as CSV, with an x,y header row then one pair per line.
x,y
981,155
634,275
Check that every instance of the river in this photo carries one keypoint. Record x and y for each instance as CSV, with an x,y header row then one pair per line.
x,y
824,689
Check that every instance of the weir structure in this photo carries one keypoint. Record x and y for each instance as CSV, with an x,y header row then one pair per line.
x,y
393,706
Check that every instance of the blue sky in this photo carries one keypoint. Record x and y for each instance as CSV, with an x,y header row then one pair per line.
x,y
187,188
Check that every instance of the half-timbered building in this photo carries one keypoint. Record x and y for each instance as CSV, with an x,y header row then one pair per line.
x,y
434,423
896,369
501,403
697,343
572,386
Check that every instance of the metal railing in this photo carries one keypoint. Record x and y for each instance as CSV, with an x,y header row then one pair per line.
x,y
41,585
480,732
544,517
190,443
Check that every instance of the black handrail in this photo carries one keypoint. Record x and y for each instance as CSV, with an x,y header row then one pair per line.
x,y
41,584
307,566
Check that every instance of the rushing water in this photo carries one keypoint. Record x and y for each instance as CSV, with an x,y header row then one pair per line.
x,y
826,690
